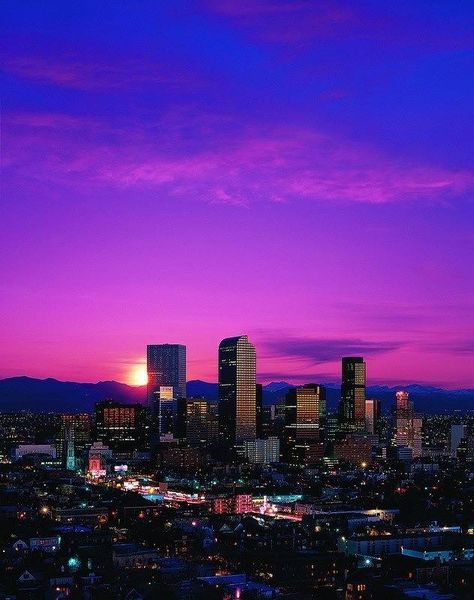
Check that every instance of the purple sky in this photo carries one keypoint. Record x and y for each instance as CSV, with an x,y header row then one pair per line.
x,y
181,172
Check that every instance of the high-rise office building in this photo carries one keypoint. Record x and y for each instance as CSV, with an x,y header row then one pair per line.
x,y
168,416
372,415
166,367
122,427
305,408
197,421
407,424
352,406
237,390
166,370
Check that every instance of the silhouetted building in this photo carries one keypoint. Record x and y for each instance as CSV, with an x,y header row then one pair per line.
x,y
352,406
123,428
181,415
237,391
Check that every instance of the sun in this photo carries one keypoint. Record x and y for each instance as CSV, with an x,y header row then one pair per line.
x,y
138,375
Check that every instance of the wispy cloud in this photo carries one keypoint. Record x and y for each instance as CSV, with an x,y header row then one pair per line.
x,y
305,22
288,22
296,378
322,350
237,168
80,72
452,346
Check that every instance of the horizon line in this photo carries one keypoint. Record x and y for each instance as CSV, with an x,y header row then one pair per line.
x,y
386,384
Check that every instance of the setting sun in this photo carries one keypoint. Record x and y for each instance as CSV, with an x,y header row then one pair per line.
x,y
138,375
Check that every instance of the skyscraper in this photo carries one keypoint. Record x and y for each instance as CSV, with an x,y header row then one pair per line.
x,y
352,406
305,408
237,390
166,366
197,420
166,369
407,425
372,415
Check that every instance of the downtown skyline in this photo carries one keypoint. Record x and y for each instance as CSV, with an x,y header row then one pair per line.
x,y
227,170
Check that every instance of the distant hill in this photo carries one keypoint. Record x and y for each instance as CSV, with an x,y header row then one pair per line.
x,y
38,395
51,395
427,399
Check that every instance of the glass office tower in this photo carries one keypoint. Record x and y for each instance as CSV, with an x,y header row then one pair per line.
x,y
305,409
237,391
166,367
166,370
352,406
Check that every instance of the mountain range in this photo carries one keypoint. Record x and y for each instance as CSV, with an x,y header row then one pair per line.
x,y
51,395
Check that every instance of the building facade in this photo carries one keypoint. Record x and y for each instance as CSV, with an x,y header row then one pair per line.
x,y
372,415
237,391
407,425
352,405
197,421
166,371
263,452
122,427
305,408
166,367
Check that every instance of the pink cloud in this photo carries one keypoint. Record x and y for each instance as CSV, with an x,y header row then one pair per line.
x,y
90,74
291,165
235,168
303,22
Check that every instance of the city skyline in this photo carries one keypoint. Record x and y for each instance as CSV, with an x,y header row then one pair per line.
x,y
236,299
301,172
140,376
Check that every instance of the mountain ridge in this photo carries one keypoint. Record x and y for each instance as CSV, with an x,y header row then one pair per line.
x,y
53,395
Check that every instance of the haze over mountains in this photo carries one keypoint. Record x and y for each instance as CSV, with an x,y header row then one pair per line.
x,y
39,395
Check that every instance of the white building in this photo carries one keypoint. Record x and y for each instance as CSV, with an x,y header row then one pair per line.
x,y
25,449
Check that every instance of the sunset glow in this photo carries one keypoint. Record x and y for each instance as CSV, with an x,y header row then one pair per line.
x,y
259,167
138,375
